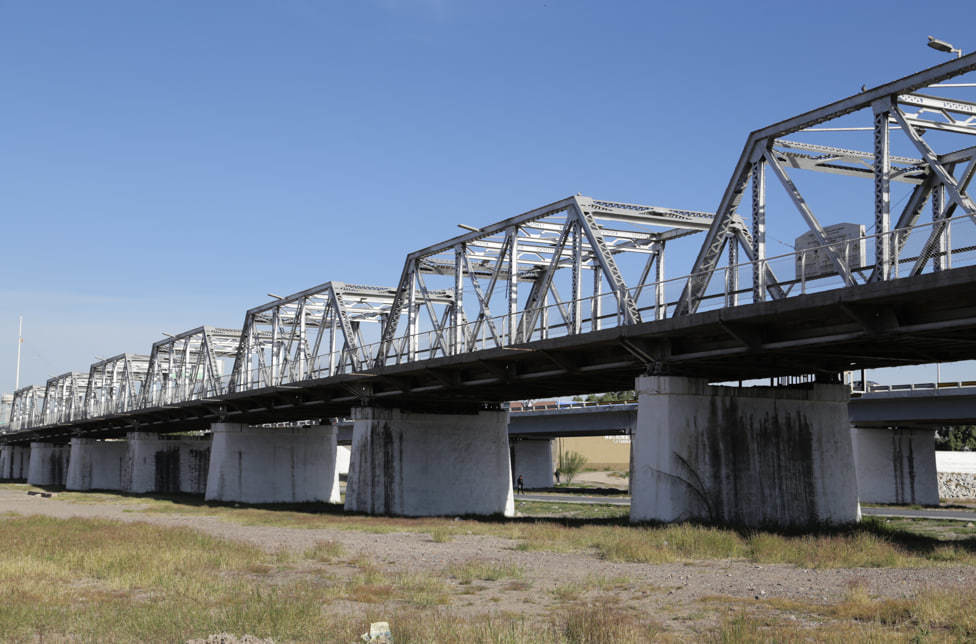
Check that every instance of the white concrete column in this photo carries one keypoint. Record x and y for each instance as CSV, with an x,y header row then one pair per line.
x,y
749,456
48,464
414,464
273,465
896,466
96,464
165,465
342,459
14,462
532,459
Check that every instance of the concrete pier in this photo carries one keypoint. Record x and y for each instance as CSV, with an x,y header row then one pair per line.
x,y
418,464
14,462
273,465
96,464
48,464
532,459
896,466
168,465
749,456
343,453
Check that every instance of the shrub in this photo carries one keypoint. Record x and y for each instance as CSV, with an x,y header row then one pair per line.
x,y
570,465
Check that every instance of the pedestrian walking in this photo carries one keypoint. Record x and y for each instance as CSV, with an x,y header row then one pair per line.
x,y
521,485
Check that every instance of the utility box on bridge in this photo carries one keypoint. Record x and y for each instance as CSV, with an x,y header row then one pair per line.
x,y
813,260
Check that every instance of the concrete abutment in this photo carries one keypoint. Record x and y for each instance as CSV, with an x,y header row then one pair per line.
x,y
896,465
273,465
747,456
422,464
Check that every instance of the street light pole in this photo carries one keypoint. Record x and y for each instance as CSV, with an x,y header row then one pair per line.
x,y
20,341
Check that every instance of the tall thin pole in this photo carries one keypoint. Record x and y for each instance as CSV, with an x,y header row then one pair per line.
x,y
20,341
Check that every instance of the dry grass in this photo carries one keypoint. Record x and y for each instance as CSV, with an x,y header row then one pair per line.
x,y
482,570
873,543
94,580
933,614
441,535
325,551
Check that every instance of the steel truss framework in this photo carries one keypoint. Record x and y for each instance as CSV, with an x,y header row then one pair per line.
x,y
64,398
487,268
522,279
188,366
27,407
115,384
316,333
939,178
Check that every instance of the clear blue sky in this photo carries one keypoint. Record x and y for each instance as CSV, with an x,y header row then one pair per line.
x,y
166,164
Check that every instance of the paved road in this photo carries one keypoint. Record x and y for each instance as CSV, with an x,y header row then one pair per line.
x,y
574,498
927,513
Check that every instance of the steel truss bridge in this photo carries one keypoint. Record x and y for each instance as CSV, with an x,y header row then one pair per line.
x,y
573,297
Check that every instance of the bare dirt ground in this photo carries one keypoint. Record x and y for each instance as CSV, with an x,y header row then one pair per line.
x,y
671,591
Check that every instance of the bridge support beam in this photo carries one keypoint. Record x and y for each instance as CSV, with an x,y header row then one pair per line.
x,y
419,464
532,459
896,466
48,464
273,465
747,456
96,464
155,464
14,462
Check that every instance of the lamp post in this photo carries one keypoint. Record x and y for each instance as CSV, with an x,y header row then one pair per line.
x,y
941,45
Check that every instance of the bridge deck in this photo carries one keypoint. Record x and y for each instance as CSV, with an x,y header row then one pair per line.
x,y
926,319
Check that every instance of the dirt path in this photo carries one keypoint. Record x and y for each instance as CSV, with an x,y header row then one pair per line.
x,y
670,589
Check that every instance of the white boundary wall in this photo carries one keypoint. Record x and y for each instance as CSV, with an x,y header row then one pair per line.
x,y
957,462
415,464
273,465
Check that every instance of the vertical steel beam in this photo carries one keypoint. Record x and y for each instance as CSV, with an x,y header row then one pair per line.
x,y
275,359
513,287
732,273
412,311
758,230
577,286
939,255
457,317
660,305
882,189
597,309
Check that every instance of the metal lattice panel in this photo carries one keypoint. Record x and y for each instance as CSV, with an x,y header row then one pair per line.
x,y
115,384
188,366
547,250
316,333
